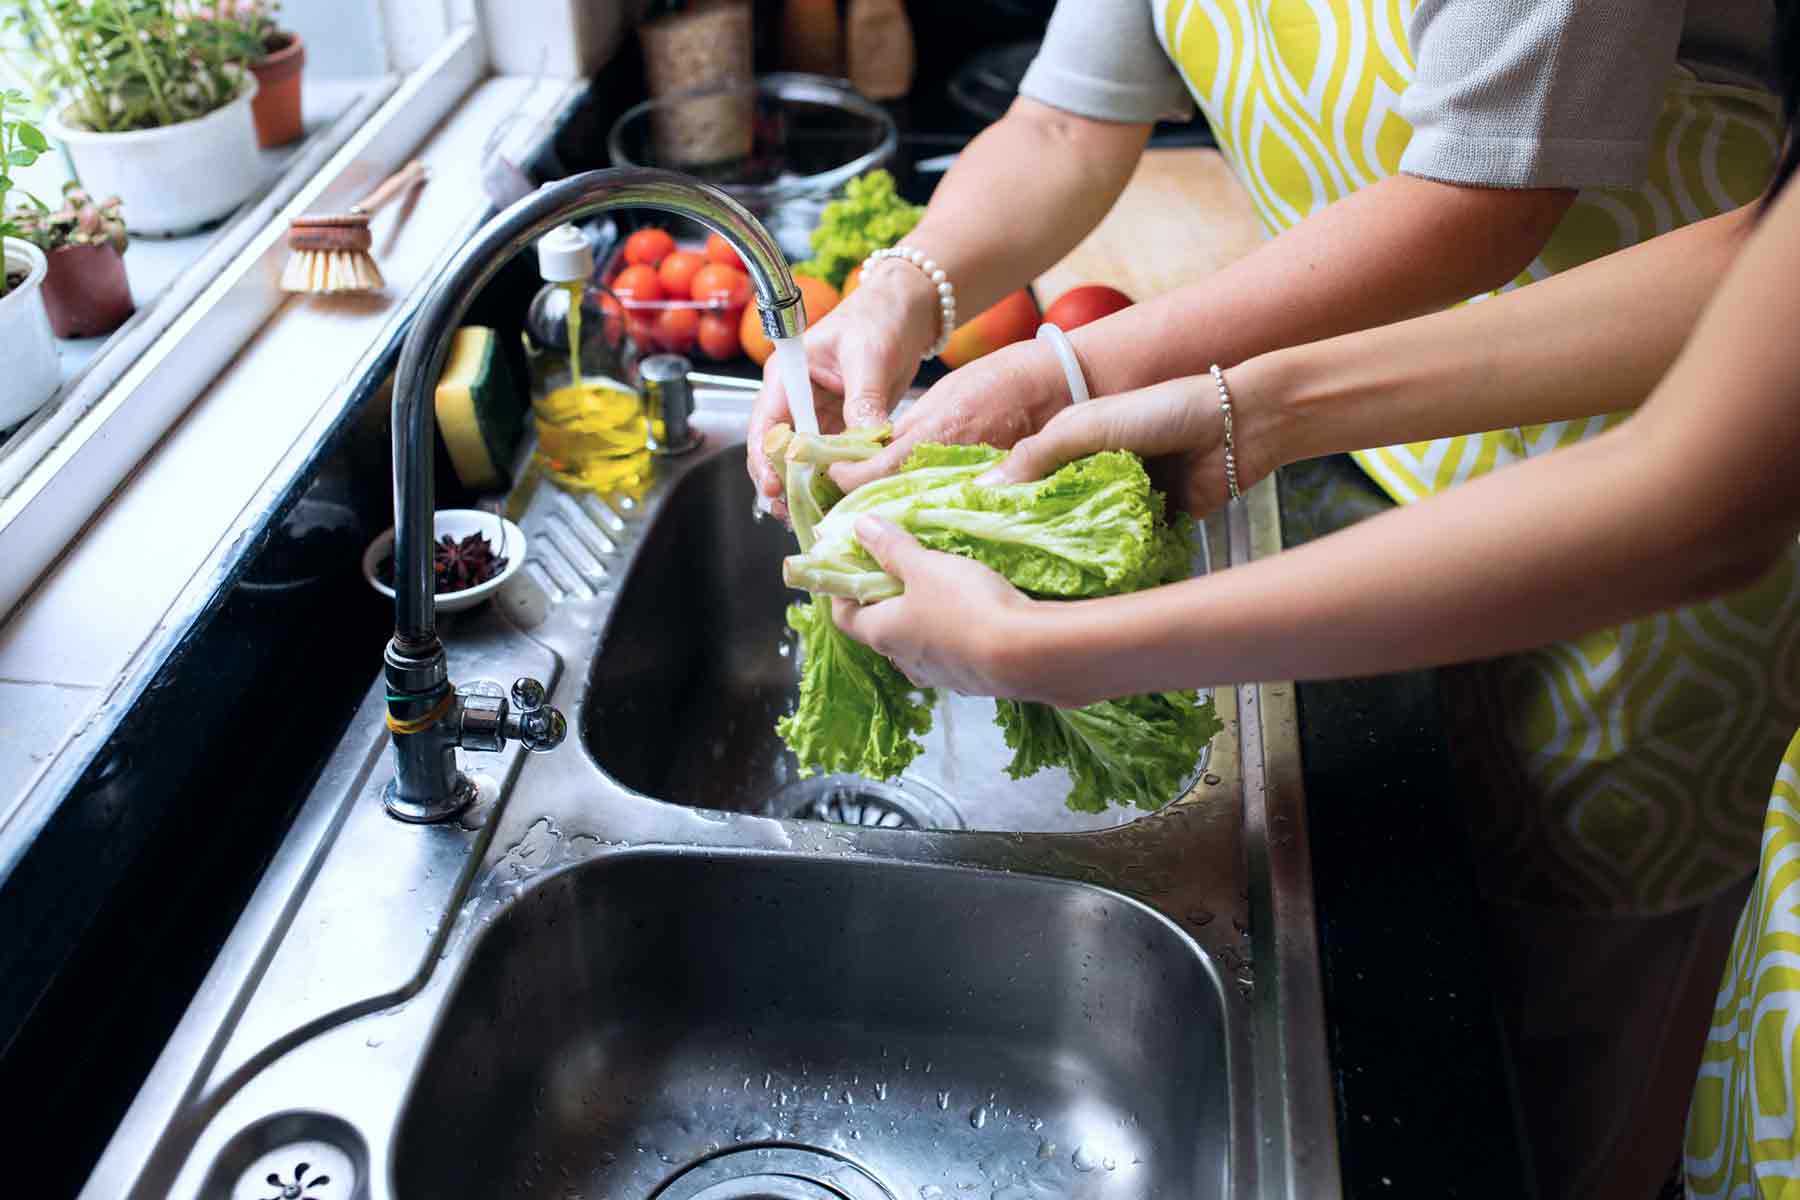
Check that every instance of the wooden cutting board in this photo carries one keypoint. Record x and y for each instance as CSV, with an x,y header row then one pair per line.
x,y
1183,216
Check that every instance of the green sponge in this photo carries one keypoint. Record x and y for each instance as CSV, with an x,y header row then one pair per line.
x,y
478,410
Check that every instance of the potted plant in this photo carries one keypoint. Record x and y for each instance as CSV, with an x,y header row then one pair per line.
x,y
32,374
277,105
85,291
153,104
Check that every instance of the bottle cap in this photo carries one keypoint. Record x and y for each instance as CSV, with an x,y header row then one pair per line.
x,y
564,256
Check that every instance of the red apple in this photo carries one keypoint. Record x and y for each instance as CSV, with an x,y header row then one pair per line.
x,y
1089,302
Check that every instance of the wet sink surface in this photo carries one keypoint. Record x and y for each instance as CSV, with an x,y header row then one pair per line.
x,y
698,664
704,1026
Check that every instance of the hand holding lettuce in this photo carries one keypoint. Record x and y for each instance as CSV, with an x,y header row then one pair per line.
x,y
1095,527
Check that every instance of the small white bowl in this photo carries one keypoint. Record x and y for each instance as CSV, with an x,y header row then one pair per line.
x,y
506,538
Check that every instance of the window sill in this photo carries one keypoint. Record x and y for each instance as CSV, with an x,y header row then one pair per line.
x,y
131,576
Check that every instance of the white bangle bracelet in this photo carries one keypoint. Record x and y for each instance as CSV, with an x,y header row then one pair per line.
x,y
1231,482
1065,353
945,289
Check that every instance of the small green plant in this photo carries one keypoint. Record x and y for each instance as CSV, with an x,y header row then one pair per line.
x,y
120,65
20,144
79,222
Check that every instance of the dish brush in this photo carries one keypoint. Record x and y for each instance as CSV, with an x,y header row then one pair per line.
x,y
329,254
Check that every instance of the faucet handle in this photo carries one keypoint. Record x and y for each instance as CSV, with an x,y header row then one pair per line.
x,y
536,726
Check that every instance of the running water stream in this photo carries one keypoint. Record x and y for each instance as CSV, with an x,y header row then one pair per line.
x,y
796,381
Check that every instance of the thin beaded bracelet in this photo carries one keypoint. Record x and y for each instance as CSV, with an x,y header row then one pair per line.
x,y
945,289
1230,446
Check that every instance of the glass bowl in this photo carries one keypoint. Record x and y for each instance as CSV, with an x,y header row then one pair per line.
x,y
782,146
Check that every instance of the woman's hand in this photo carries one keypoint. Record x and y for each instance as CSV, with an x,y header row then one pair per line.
x,y
1175,426
997,399
861,356
953,627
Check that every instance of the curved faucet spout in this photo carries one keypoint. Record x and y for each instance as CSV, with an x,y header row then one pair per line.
x,y
428,344
427,784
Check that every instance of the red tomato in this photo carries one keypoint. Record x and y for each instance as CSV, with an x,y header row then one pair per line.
x,y
677,274
1089,302
648,247
722,287
637,283
677,328
643,332
718,250
719,337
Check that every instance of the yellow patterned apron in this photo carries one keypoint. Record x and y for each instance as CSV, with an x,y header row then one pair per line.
x,y
1742,1138
1625,771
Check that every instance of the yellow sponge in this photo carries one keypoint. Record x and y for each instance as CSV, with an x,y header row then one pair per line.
x,y
479,411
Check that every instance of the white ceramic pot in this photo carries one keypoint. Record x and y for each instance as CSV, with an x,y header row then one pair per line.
x,y
175,179
32,375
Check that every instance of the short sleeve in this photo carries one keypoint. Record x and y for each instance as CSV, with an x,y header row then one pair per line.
x,y
1537,93
1102,59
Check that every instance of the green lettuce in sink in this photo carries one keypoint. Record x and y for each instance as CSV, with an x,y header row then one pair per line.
x,y
1096,527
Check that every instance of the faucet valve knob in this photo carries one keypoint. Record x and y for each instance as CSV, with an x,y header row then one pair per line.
x,y
537,727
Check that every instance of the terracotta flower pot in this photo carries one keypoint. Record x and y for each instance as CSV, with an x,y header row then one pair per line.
x,y
86,293
277,104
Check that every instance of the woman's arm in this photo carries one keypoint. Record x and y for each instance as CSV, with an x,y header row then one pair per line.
x,y
1396,249
1528,357
1695,496
1018,198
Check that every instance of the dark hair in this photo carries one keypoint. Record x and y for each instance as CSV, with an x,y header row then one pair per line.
x,y
1787,63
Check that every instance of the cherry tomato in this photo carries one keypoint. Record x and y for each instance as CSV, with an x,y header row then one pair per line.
x,y
677,274
718,250
637,283
643,332
1089,302
722,287
677,328
719,337
648,246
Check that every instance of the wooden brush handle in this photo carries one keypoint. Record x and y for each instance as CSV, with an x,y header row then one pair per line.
x,y
412,173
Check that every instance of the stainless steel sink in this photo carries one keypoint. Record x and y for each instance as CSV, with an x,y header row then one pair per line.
x,y
698,664
631,972
651,1018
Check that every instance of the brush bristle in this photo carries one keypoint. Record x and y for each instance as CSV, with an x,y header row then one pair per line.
x,y
326,272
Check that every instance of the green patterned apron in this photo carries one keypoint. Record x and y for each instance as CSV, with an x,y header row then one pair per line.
x,y
1742,1139
1624,771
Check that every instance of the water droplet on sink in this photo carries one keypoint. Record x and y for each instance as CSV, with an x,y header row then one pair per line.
x,y
881,1091
931,1191
943,1101
978,1116
848,1098
1084,1160
372,1042
1111,1164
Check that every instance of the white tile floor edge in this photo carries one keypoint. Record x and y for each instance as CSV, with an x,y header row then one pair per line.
x,y
67,645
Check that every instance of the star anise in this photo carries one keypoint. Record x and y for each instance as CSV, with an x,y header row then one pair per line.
x,y
456,565
463,564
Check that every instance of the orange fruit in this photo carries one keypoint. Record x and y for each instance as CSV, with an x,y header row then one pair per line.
x,y
719,337
677,274
816,296
820,298
648,246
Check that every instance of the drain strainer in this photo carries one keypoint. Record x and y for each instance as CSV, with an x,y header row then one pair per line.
x,y
291,1156
774,1171
852,800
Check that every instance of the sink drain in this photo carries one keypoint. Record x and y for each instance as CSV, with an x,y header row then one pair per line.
x,y
852,800
774,1171
291,1156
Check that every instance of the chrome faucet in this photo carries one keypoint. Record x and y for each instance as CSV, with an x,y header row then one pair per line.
x,y
428,717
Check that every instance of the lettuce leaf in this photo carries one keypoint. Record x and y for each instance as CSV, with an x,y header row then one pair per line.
x,y
1137,750
857,713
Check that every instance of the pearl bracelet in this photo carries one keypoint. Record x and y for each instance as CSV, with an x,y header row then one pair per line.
x,y
1230,446
945,289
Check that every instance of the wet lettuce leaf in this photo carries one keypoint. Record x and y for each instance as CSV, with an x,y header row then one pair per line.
x,y
857,713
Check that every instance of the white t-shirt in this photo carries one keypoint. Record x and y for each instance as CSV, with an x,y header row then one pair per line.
x,y
1508,93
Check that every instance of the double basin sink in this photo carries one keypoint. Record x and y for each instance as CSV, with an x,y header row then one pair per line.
x,y
662,965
